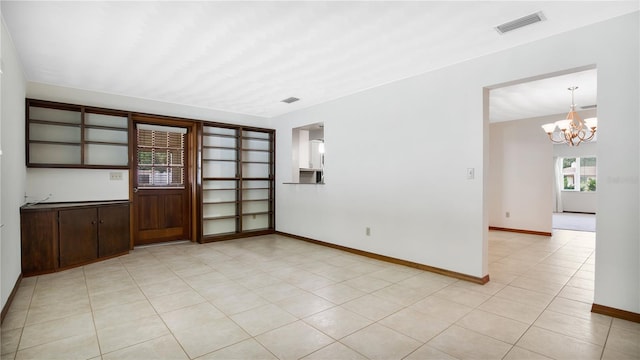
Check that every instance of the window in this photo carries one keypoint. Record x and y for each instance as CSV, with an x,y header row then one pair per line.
x,y
579,174
160,156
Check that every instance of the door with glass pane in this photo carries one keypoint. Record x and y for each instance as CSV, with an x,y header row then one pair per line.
x,y
161,192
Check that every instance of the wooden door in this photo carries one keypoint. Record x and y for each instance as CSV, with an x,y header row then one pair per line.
x,y
113,230
78,230
162,181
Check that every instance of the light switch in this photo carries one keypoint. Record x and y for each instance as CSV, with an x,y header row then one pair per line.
x,y
470,173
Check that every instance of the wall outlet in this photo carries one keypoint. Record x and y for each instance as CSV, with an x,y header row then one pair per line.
x,y
115,175
367,231
507,214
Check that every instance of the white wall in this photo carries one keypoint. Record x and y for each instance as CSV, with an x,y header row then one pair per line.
x,y
12,163
396,159
521,175
91,184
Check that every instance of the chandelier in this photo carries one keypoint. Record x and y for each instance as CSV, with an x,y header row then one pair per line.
x,y
572,130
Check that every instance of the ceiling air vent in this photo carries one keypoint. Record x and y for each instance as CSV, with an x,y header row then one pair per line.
x,y
290,100
521,22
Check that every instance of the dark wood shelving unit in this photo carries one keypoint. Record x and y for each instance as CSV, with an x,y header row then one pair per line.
x,y
235,161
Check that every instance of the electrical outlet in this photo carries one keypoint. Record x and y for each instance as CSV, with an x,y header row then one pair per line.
x,y
507,214
367,231
115,175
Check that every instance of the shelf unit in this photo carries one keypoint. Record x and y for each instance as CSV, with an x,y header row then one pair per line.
x,y
75,136
237,181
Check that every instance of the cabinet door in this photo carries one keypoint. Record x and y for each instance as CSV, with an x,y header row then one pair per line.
x,y
39,242
78,236
113,230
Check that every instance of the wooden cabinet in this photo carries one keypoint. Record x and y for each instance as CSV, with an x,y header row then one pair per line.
x,y
63,235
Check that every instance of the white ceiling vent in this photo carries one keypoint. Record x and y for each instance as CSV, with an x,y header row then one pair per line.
x,y
290,100
521,22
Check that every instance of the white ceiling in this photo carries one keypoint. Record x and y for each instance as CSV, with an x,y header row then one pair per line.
x,y
245,57
543,97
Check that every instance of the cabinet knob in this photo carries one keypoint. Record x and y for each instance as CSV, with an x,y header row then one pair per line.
x,y
93,222
101,221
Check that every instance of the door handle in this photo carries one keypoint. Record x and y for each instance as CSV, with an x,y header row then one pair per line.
x,y
135,189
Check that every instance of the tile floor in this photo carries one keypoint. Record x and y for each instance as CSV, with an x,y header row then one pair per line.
x,y
274,297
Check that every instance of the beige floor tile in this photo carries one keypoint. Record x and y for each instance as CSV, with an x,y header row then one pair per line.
x,y
131,332
170,286
304,305
335,351
403,295
367,283
211,336
518,353
578,294
239,302
489,288
511,309
625,341
415,324
441,309
379,342
339,293
8,356
63,294
170,302
191,316
309,281
337,322
247,349
462,296
626,325
426,352
257,281
495,326
294,340
83,346
110,286
558,346
578,328
119,297
58,310
9,340
22,299
610,354
467,344
205,281
14,319
220,290
578,309
581,283
537,285
54,330
162,348
112,316
279,291
263,319
528,297
395,274
372,307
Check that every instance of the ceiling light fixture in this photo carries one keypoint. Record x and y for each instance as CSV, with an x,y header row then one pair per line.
x,y
572,130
